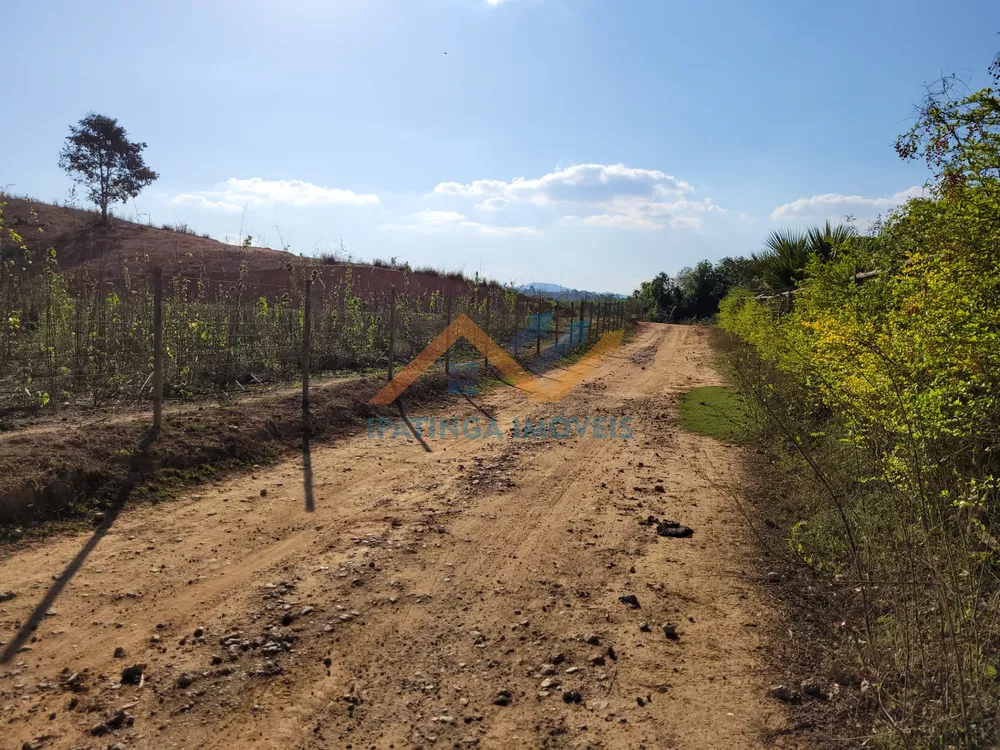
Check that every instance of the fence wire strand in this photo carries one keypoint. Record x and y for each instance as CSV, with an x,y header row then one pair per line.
x,y
89,338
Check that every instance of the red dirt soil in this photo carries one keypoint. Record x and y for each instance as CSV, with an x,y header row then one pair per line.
x,y
395,594
80,241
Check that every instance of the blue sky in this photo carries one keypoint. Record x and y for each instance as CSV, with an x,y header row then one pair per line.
x,y
585,142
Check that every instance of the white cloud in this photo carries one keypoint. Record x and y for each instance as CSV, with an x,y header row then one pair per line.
x,y
201,202
438,218
621,221
235,193
428,220
704,205
832,205
661,208
494,2
295,192
492,205
487,229
638,213
475,189
601,195
592,183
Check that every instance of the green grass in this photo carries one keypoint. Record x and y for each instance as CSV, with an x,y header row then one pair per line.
x,y
715,411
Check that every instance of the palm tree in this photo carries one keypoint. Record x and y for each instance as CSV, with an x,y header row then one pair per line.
x,y
825,241
781,266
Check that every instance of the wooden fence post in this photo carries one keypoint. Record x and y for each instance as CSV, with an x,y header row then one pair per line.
x,y
447,323
486,360
392,329
49,342
517,322
157,348
555,323
538,328
579,334
306,348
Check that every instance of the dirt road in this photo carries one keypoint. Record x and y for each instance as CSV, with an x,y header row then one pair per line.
x,y
389,594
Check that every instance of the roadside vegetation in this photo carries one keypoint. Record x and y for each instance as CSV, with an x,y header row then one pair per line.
x,y
695,293
870,367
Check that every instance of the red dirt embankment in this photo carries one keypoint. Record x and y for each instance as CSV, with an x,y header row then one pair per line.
x,y
80,242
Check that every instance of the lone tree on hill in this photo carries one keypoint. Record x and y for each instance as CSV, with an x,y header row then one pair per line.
x,y
99,155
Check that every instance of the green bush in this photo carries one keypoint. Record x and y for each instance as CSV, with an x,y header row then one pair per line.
x,y
887,394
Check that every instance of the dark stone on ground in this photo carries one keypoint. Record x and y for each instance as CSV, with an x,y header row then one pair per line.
x,y
815,690
786,694
674,530
133,675
185,679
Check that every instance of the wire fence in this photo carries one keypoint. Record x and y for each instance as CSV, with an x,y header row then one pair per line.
x,y
92,338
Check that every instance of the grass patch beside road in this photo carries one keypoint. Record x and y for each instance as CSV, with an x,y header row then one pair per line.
x,y
715,411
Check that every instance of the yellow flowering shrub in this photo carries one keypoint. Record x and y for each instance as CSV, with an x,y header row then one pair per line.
x,y
888,391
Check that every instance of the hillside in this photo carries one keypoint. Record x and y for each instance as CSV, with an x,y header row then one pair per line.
x,y
81,243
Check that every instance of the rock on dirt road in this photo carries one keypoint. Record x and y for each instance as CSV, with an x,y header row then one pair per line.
x,y
456,593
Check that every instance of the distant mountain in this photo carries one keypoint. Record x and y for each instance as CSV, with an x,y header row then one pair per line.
x,y
559,292
542,288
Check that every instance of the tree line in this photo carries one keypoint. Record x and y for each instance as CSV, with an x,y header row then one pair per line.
x,y
694,293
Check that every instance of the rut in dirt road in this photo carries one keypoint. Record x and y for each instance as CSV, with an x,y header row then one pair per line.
x,y
499,592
